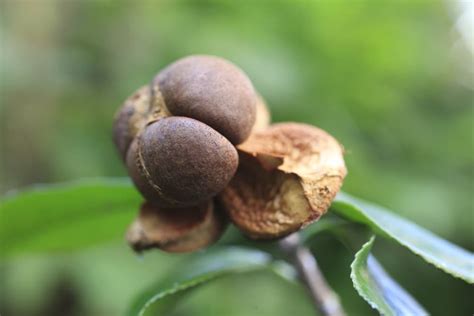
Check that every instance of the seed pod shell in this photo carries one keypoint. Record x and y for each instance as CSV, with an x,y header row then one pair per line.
x,y
288,176
176,230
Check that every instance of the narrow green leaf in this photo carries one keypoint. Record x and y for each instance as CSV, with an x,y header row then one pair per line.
x,y
66,216
435,250
370,280
199,270
329,223
379,290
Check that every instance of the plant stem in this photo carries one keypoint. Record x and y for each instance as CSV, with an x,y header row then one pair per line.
x,y
324,298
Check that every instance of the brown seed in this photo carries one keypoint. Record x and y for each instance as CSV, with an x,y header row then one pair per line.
x,y
136,173
287,178
211,90
130,118
176,230
179,161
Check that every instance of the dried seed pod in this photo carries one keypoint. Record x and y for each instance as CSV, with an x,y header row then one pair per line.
x,y
262,117
287,178
176,230
211,90
179,161
133,116
130,118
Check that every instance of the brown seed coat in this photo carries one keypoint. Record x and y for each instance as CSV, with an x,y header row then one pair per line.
x,y
211,90
130,118
180,161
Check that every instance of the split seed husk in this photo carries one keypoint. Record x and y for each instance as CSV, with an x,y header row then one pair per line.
x,y
132,117
176,230
287,178
262,117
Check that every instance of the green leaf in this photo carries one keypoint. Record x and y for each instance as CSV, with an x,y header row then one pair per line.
x,y
202,269
329,223
435,250
370,280
66,216
378,288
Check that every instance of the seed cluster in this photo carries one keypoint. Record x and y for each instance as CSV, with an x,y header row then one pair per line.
x,y
198,145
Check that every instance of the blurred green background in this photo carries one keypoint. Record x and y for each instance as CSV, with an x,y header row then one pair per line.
x,y
392,80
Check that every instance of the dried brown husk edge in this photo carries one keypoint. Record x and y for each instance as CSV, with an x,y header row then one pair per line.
x,y
312,188
195,228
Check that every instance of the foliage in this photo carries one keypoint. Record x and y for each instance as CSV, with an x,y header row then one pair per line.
x,y
435,250
58,229
197,272
378,289
56,217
